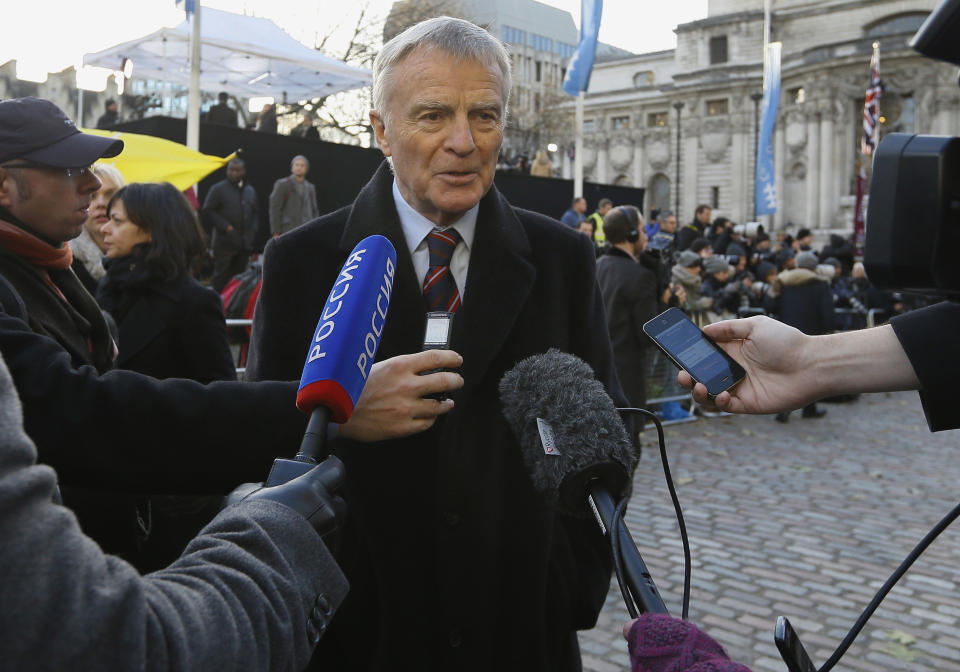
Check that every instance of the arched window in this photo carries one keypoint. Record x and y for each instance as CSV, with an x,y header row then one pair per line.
x,y
896,24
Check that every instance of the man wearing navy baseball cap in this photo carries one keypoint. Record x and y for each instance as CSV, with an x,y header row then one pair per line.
x,y
45,190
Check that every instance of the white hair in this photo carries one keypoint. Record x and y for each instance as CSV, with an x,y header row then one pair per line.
x,y
457,37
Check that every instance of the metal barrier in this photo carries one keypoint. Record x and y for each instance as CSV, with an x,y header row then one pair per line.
x,y
662,385
241,370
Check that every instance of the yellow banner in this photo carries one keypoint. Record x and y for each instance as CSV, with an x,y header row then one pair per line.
x,y
148,159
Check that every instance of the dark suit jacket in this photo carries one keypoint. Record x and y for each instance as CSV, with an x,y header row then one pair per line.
x,y
242,598
629,291
172,329
455,562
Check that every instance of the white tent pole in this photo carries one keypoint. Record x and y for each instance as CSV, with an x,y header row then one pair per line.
x,y
193,100
578,148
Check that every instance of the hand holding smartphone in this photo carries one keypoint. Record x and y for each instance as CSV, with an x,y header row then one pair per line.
x,y
695,352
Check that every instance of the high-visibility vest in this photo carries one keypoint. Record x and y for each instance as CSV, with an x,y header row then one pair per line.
x,y
598,236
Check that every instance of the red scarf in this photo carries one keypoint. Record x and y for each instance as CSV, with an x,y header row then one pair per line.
x,y
30,248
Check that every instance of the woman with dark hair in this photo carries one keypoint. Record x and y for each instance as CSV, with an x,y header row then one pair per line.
x,y
169,326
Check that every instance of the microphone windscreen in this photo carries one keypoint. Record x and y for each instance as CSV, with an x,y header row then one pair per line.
x,y
568,429
349,330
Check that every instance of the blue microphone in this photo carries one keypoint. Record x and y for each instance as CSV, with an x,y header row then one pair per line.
x,y
343,347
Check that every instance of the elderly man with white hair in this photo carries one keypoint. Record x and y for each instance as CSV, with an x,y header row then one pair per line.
x,y
454,560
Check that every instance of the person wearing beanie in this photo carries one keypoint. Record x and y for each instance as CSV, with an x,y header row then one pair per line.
x,y
686,274
806,303
786,259
804,240
717,285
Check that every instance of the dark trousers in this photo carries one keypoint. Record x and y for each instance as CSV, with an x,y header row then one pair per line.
x,y
226,265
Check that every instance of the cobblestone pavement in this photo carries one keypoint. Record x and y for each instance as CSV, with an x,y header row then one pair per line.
x,y
804,519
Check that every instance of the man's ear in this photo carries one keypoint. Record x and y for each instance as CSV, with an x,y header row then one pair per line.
x,y
6,187
379,131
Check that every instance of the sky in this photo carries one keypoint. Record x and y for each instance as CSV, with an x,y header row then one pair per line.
x,y
41,45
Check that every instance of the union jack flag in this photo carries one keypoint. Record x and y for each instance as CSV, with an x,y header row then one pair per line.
x,y
871,105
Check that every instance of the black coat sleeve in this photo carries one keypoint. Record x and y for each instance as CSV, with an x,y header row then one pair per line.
x,y
929,337
127,431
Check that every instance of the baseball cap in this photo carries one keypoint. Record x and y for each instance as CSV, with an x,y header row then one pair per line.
x,y
37,130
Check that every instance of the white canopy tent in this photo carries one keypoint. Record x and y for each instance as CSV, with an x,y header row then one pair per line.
x,y
243,55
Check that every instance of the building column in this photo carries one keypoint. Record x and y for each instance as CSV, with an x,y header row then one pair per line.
x,y
689,168
740,201
639,170
779,161
603,143
567,167
827,187
813,172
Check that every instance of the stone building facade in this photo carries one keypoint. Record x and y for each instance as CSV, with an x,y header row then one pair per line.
x,y
631,133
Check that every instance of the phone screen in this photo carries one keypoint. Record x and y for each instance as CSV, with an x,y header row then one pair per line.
x,y
692,350
437,331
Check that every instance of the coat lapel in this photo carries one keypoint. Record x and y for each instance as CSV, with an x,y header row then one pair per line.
x,y
374,213
500,278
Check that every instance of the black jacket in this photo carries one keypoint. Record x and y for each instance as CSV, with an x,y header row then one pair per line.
x,y
456,563
629,291
167,329
228,204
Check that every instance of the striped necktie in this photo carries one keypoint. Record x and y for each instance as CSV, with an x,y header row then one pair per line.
x,y
439,287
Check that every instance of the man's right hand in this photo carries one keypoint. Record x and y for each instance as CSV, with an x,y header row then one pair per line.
x,y
392,404
780,372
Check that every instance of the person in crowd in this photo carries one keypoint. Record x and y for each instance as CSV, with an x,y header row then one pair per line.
x,y
541,166
293,200
765,288
803,241
231,211
267,119
520,283
840,248
717,229
603,207
628,286
586,228
653,225
805,303
686,274
574,215
221,112
762,250
88,248
702,247
718,285
110,116
305,129
786,258
695,229
169,326
737,254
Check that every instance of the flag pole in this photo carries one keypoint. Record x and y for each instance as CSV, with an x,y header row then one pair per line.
x,y
193,99
578,151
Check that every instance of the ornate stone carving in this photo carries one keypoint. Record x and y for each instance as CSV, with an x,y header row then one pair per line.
x,y
714,139
795,134
658,153
621,156
589,157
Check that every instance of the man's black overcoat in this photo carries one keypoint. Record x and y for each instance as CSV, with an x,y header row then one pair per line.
x,y
454,561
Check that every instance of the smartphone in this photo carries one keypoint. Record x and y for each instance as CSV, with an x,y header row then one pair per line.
x,y
694,351
791,650
436,336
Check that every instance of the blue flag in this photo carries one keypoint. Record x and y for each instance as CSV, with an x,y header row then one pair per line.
x,y
581,63
766,188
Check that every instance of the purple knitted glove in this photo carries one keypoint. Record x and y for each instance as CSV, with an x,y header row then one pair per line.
x,y
661,643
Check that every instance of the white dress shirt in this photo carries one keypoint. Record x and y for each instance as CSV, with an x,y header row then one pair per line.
x,y
416,228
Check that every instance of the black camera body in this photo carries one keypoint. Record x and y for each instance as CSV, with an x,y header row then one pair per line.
x,y
913,218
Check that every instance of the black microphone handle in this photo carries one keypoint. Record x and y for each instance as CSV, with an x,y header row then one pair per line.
x,y
314,444
638,579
